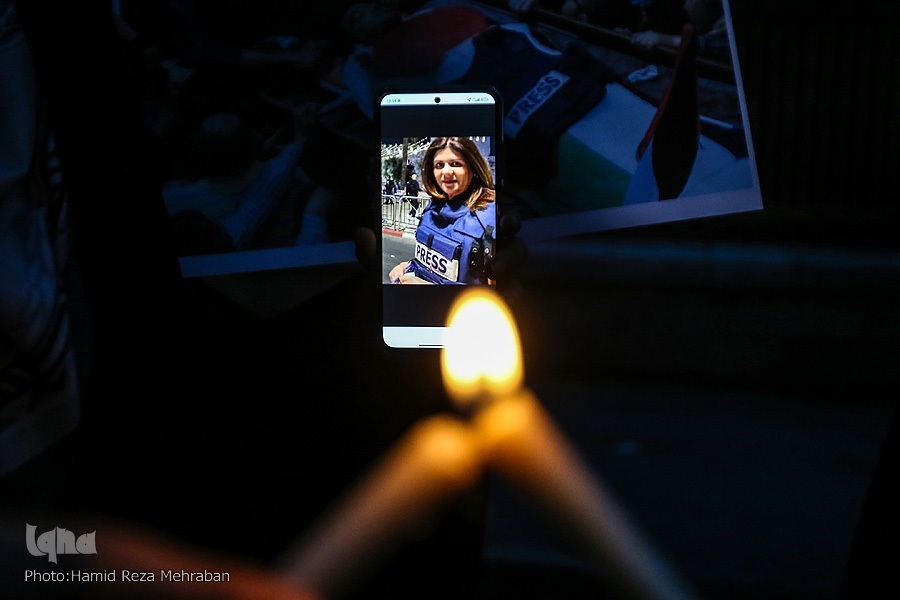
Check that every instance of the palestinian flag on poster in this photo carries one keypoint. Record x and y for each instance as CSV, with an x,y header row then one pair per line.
x,y
667,152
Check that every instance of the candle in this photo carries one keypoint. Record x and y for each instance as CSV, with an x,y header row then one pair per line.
x,y
482,355
438,458
521,442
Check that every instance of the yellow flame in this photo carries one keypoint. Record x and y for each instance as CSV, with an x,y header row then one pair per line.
x,y
482,356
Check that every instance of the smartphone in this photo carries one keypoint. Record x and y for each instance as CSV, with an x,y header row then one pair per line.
x,y
441,170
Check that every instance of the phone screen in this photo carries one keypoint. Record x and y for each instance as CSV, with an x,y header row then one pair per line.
x,y
440,167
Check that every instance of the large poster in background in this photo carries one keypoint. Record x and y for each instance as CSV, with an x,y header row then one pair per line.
x,y
668,140
262,115
614,118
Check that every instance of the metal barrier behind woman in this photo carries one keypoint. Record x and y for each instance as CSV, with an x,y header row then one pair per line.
x,y
399,213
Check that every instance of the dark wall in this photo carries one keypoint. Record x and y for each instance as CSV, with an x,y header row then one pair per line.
x,y
821,83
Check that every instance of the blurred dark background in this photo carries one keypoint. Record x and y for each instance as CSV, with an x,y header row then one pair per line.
x,y
734,378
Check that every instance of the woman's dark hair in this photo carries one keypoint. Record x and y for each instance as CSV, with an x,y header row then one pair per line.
x,y
482,185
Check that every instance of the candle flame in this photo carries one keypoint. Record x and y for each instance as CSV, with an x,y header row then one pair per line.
x,y
482,356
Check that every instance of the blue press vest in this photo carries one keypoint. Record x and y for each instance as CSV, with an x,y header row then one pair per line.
x,y
451,240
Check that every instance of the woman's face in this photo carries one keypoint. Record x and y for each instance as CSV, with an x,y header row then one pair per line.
x,y
451,172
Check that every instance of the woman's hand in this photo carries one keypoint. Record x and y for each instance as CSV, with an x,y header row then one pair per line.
x,y
397,273
412,279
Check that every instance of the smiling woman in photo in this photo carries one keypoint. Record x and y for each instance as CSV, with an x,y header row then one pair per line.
x,y
456,230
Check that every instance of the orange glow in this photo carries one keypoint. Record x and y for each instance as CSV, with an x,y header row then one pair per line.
x,y
482,356
438,458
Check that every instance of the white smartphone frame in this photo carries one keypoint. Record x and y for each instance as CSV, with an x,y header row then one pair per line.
x,y
430,108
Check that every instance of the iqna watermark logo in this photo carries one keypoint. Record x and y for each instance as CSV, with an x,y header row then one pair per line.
x,y
59,541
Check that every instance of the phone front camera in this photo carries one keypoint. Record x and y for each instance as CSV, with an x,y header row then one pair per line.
x,y
437,99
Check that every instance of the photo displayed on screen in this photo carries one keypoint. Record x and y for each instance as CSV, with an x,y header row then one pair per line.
x,y
438,209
